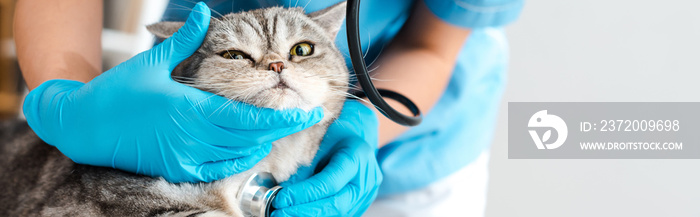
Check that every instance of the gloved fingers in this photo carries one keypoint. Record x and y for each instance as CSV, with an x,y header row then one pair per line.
x,y
365,201
341,169
213,171
356,119
197,125
44,104
352,109
211,153
271,135
185,41
214,135
339,204
238,115
302,174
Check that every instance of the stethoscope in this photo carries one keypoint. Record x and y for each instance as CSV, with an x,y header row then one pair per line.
x,y
260,189
373,94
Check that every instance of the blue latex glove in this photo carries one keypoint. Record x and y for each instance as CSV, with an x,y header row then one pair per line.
x,y
348,183
134,117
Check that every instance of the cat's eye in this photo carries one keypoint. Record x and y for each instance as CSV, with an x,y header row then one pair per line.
x,y
234,54
302,49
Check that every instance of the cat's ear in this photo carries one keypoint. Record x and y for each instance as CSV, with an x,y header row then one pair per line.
x,y
164,30
330,18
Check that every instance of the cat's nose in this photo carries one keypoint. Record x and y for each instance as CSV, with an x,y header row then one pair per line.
x,y
276,66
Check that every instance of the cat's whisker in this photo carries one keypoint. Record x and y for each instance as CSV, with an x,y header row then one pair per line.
x,y
339,123
190,9
307,4
197,84
375,68
382,80
345,86
211,8
227,103
353,77
199,104
377,56
183,81
332,79
326,110
350,85
346,94
369,43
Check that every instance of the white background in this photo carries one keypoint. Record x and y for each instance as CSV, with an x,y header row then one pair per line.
x,y
599,51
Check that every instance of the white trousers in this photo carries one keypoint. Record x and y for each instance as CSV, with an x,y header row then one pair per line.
x,y
462,193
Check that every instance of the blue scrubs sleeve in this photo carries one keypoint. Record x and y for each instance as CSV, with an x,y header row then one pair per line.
x,y
460,126
476,13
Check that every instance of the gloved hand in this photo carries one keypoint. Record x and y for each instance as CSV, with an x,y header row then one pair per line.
x,y
349,175
134,117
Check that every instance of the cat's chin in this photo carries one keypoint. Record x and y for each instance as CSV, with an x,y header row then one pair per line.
x,y
280,98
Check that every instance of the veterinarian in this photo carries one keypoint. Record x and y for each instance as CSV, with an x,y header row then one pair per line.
x,y
135,118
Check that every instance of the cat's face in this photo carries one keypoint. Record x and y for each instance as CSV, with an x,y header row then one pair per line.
x,y
275,57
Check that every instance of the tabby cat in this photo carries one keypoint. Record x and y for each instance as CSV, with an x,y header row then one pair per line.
x,y
274,57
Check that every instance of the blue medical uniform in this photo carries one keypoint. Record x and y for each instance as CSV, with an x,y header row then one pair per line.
x,y
460,126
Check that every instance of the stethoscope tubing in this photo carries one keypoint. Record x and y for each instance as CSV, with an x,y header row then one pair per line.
x,y
371,92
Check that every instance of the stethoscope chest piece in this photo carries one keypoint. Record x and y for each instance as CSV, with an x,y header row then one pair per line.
x,y
257,193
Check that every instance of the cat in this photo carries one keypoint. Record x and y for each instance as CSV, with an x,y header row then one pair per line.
x,y
275,57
